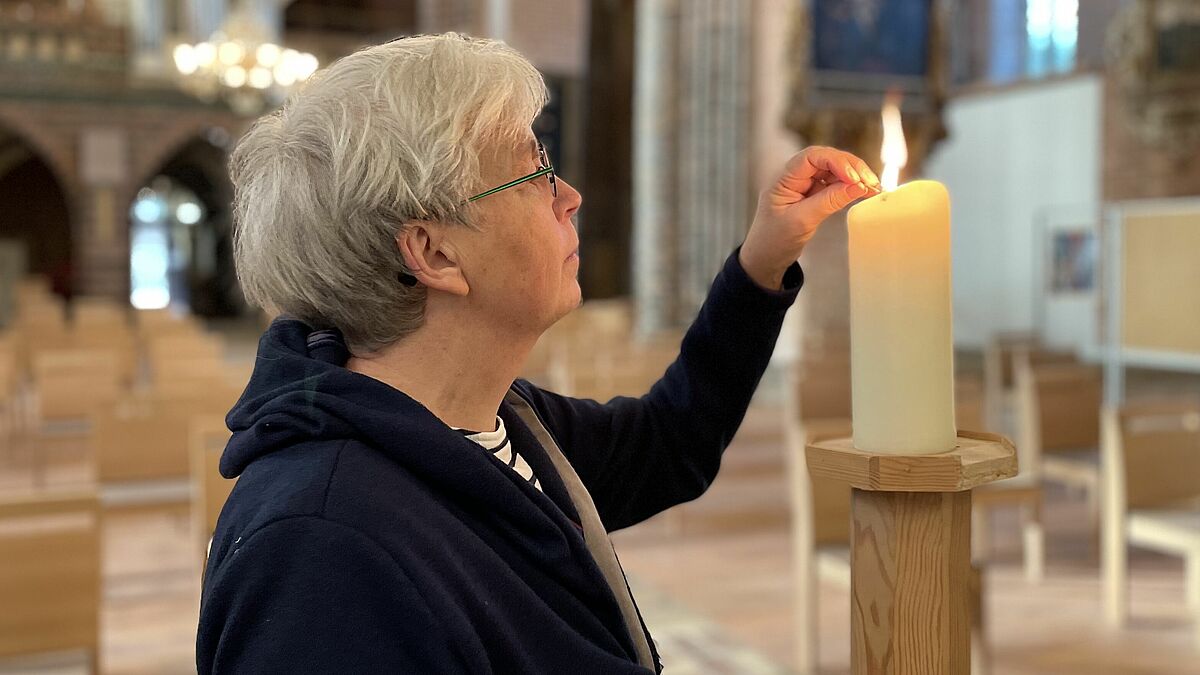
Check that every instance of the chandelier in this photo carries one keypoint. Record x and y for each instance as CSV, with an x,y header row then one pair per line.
x,y
240,65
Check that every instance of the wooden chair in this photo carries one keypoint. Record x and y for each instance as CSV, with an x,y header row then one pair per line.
x,y
625,369
1151,468
594,353
42,318
1023,492
152,318
969,407
69,384
116,338
597,318
41,310
158,324
185,399
50,576
823,390
184,356
10,403
1058,428
41,328
820,523
238,374
1027,497
32,287
998,374
93,312
208,437
1000,358
167,370
141,455
577,355
817,404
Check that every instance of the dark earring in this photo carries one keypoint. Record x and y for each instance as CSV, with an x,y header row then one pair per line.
x,y
406,279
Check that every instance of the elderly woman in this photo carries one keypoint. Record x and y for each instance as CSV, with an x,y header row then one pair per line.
x,y
404,503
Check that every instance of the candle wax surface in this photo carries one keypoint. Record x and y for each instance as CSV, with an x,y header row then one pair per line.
x,y
902,358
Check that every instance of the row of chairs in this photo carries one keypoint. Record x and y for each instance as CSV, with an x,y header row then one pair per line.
x,y
1150,468
595,353
50,575
44,321
51,543
151,433
42,369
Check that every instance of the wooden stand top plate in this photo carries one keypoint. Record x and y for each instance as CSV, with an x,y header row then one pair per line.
x,y
979,458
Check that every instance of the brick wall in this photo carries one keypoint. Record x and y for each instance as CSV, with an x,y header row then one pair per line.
x,y
1134,169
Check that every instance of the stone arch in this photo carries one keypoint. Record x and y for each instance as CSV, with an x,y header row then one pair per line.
x,y
37,205
54,150
208,281
164,147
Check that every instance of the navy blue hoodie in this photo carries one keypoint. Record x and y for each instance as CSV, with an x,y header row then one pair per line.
x,y
366,536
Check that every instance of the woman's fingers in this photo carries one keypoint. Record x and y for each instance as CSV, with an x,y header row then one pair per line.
x,y
838,162
837,196
821,162
868,176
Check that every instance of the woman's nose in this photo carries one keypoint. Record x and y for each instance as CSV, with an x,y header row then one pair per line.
x,y
568,200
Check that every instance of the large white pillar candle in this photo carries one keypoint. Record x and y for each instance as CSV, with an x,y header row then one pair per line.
x,y
902,358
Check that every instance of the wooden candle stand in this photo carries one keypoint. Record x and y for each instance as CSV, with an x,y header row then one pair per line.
x,y
910,550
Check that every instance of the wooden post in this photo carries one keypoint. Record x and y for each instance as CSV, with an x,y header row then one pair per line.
x,y
910,549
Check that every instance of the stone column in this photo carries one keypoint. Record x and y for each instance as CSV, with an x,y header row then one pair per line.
x,y
100,257
693,186
269,14
147,32
439,16
204,17
498,19
715,142
655,214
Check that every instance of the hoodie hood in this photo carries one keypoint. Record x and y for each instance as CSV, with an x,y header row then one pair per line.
x,y
300,392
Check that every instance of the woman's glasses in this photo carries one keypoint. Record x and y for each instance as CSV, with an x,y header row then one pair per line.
x,y
545,168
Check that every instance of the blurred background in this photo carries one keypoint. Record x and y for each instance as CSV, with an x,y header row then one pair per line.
x,y
1065,130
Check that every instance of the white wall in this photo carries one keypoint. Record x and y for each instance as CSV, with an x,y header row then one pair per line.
x,y
1013,156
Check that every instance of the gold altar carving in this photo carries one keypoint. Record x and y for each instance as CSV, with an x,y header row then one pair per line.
x,y
1155,64
827,111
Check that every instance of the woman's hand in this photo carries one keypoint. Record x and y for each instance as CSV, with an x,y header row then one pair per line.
x,y
816,183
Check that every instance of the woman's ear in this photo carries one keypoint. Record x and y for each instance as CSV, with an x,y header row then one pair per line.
x,y
431,258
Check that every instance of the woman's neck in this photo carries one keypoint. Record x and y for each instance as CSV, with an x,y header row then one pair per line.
x,y
457,370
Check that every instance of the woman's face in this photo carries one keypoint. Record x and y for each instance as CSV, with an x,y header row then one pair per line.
x,y
523,262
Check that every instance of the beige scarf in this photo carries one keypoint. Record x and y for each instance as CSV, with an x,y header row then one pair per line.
x,y
594,534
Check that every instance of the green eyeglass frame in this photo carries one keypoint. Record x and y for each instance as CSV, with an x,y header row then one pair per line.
x,y
545,168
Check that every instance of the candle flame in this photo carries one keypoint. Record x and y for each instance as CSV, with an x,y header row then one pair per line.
x,y
895,151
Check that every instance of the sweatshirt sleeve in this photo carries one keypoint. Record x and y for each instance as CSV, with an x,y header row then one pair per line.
x,y
306,594
640,456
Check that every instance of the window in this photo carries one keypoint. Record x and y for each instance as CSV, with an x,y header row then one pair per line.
x,y
1052,34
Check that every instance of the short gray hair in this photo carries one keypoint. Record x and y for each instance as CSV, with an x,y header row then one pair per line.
x,y
387,135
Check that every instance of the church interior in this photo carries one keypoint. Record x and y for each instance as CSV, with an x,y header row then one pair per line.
x,y
1066,133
